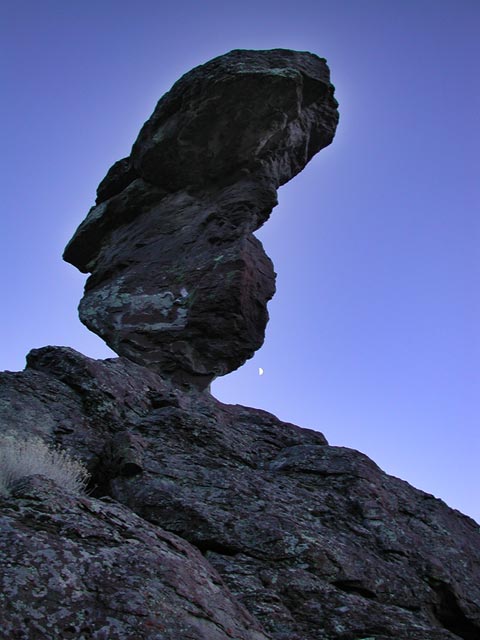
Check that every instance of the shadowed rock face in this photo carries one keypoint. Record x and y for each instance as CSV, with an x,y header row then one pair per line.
x,y
76,567
315,541
179,283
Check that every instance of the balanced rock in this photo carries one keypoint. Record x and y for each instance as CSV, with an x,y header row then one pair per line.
x,y
179,282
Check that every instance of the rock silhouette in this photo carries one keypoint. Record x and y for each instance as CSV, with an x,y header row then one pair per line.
x,y
179,282
207,521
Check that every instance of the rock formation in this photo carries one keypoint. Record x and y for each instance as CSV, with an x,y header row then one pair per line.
x,y
179,282
315,541
207,521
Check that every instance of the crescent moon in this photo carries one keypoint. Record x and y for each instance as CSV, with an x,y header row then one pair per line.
x,y
260,371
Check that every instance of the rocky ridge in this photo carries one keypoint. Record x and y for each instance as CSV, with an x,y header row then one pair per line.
x,y
207,521
313,541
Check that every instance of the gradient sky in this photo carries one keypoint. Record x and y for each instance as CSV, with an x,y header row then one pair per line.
x,y
373,337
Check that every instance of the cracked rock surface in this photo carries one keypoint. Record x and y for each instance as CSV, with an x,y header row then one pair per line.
x,y
178,282
315,541
77,567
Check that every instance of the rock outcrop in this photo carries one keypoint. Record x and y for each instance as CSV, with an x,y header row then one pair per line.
x,y
207,521
315,541
179,282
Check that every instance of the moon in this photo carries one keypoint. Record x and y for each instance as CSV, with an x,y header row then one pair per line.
x,y
260,371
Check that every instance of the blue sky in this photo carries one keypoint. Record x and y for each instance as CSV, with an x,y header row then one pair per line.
x,y
373,337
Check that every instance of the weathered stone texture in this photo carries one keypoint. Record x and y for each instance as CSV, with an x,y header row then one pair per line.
x,y
77,567
314,540
179,283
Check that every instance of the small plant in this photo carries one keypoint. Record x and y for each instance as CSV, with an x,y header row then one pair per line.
x,y
24,455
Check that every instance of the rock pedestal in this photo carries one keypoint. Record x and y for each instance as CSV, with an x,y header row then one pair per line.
x,y
314,541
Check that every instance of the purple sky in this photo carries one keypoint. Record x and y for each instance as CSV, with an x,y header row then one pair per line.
x,y
373,337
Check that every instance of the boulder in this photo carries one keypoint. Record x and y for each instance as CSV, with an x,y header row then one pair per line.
x,y
179,282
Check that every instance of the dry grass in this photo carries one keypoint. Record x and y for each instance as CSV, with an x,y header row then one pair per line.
x,y
22,456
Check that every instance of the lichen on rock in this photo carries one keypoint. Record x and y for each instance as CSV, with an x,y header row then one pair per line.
x,y
77,567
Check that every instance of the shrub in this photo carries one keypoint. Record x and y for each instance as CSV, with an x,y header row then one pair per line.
x,y
22,456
